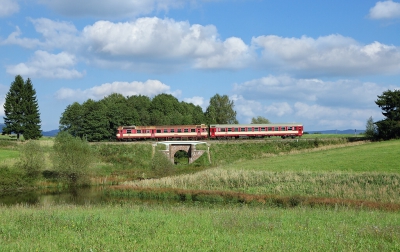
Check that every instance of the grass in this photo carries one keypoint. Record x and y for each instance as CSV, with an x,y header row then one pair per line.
x,y
370,157
196,227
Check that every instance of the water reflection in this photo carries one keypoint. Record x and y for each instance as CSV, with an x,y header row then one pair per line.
x,y
75,196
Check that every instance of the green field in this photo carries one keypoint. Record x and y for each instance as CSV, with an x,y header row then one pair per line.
x,y
342,197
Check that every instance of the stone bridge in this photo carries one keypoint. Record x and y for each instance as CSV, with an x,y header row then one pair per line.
x,y
188,146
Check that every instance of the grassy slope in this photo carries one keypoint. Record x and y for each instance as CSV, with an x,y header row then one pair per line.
x,y
371,157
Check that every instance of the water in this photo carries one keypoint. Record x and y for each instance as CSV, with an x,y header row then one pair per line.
x,y
74,196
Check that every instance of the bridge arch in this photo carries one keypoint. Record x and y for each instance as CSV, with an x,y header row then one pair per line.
x,y
188,146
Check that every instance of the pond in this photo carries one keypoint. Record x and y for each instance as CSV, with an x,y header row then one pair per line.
x,y
75,196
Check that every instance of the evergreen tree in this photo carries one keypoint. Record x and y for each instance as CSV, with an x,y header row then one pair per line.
x,y
389,102
32,116
21,110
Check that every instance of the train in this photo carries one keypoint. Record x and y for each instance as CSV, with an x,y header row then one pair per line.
x,y
212,131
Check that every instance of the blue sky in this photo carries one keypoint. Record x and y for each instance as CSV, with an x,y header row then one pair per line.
x,y
321,63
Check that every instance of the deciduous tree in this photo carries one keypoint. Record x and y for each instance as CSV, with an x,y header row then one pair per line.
x,y
259,120
220,110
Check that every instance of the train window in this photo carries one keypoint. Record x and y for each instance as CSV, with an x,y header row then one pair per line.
x,y
283,128
289,128
179,130
262,129
229,130
236,129
276,129
249,129
269,128
242,129
172,131
158,131
147,131
256,129
139,131
165,131
186,130
295,128
129,131
192,130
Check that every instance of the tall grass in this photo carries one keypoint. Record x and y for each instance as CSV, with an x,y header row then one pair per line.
x,y
198,227
342,185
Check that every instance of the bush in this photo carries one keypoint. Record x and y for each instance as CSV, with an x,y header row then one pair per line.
x,y
31,160
72,159
161,165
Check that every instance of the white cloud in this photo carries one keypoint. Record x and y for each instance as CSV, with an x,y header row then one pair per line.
x,y
149,88
111,8
318,104
328,93
329,55
46,65
8,7
385,9
164,40
324,117
196,100
3,92
58,35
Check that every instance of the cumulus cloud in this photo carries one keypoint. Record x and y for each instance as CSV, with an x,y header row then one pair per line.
x,y
111,8
316,103
328,93
137,46
149,88
3,92
196,100
8,7
46,65
329,55
385,10
140,40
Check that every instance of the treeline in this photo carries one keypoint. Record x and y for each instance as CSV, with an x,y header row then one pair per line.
x,y
99,120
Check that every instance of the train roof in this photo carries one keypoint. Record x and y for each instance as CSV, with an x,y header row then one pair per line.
x,y
162,126
255,125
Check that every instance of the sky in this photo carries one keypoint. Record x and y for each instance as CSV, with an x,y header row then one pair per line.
x,y
320,63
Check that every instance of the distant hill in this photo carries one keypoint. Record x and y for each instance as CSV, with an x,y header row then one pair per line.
x,y
50,133
44,133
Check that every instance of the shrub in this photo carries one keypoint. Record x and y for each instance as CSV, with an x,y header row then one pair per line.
x,y
72,159
161,165
31,160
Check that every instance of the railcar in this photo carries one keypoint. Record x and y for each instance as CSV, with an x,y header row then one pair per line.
x,y
166,132
255,130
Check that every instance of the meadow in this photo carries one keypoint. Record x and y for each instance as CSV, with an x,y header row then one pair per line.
x,y
332,195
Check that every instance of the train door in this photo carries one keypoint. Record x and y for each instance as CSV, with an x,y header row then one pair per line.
x,y
153,131
198,130
212,131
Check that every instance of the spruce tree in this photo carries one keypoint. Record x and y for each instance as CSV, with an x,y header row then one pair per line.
x,y
14,108
32,116
21,110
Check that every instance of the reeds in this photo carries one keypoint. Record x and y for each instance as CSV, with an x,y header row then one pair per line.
x,y
370,186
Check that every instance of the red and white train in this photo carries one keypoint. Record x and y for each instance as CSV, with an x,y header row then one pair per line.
x,y
213,131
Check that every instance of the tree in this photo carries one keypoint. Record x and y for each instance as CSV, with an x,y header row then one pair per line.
x,y
220,110
21,110
32,116
259,120
370,128
72,159
71,120
389,102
